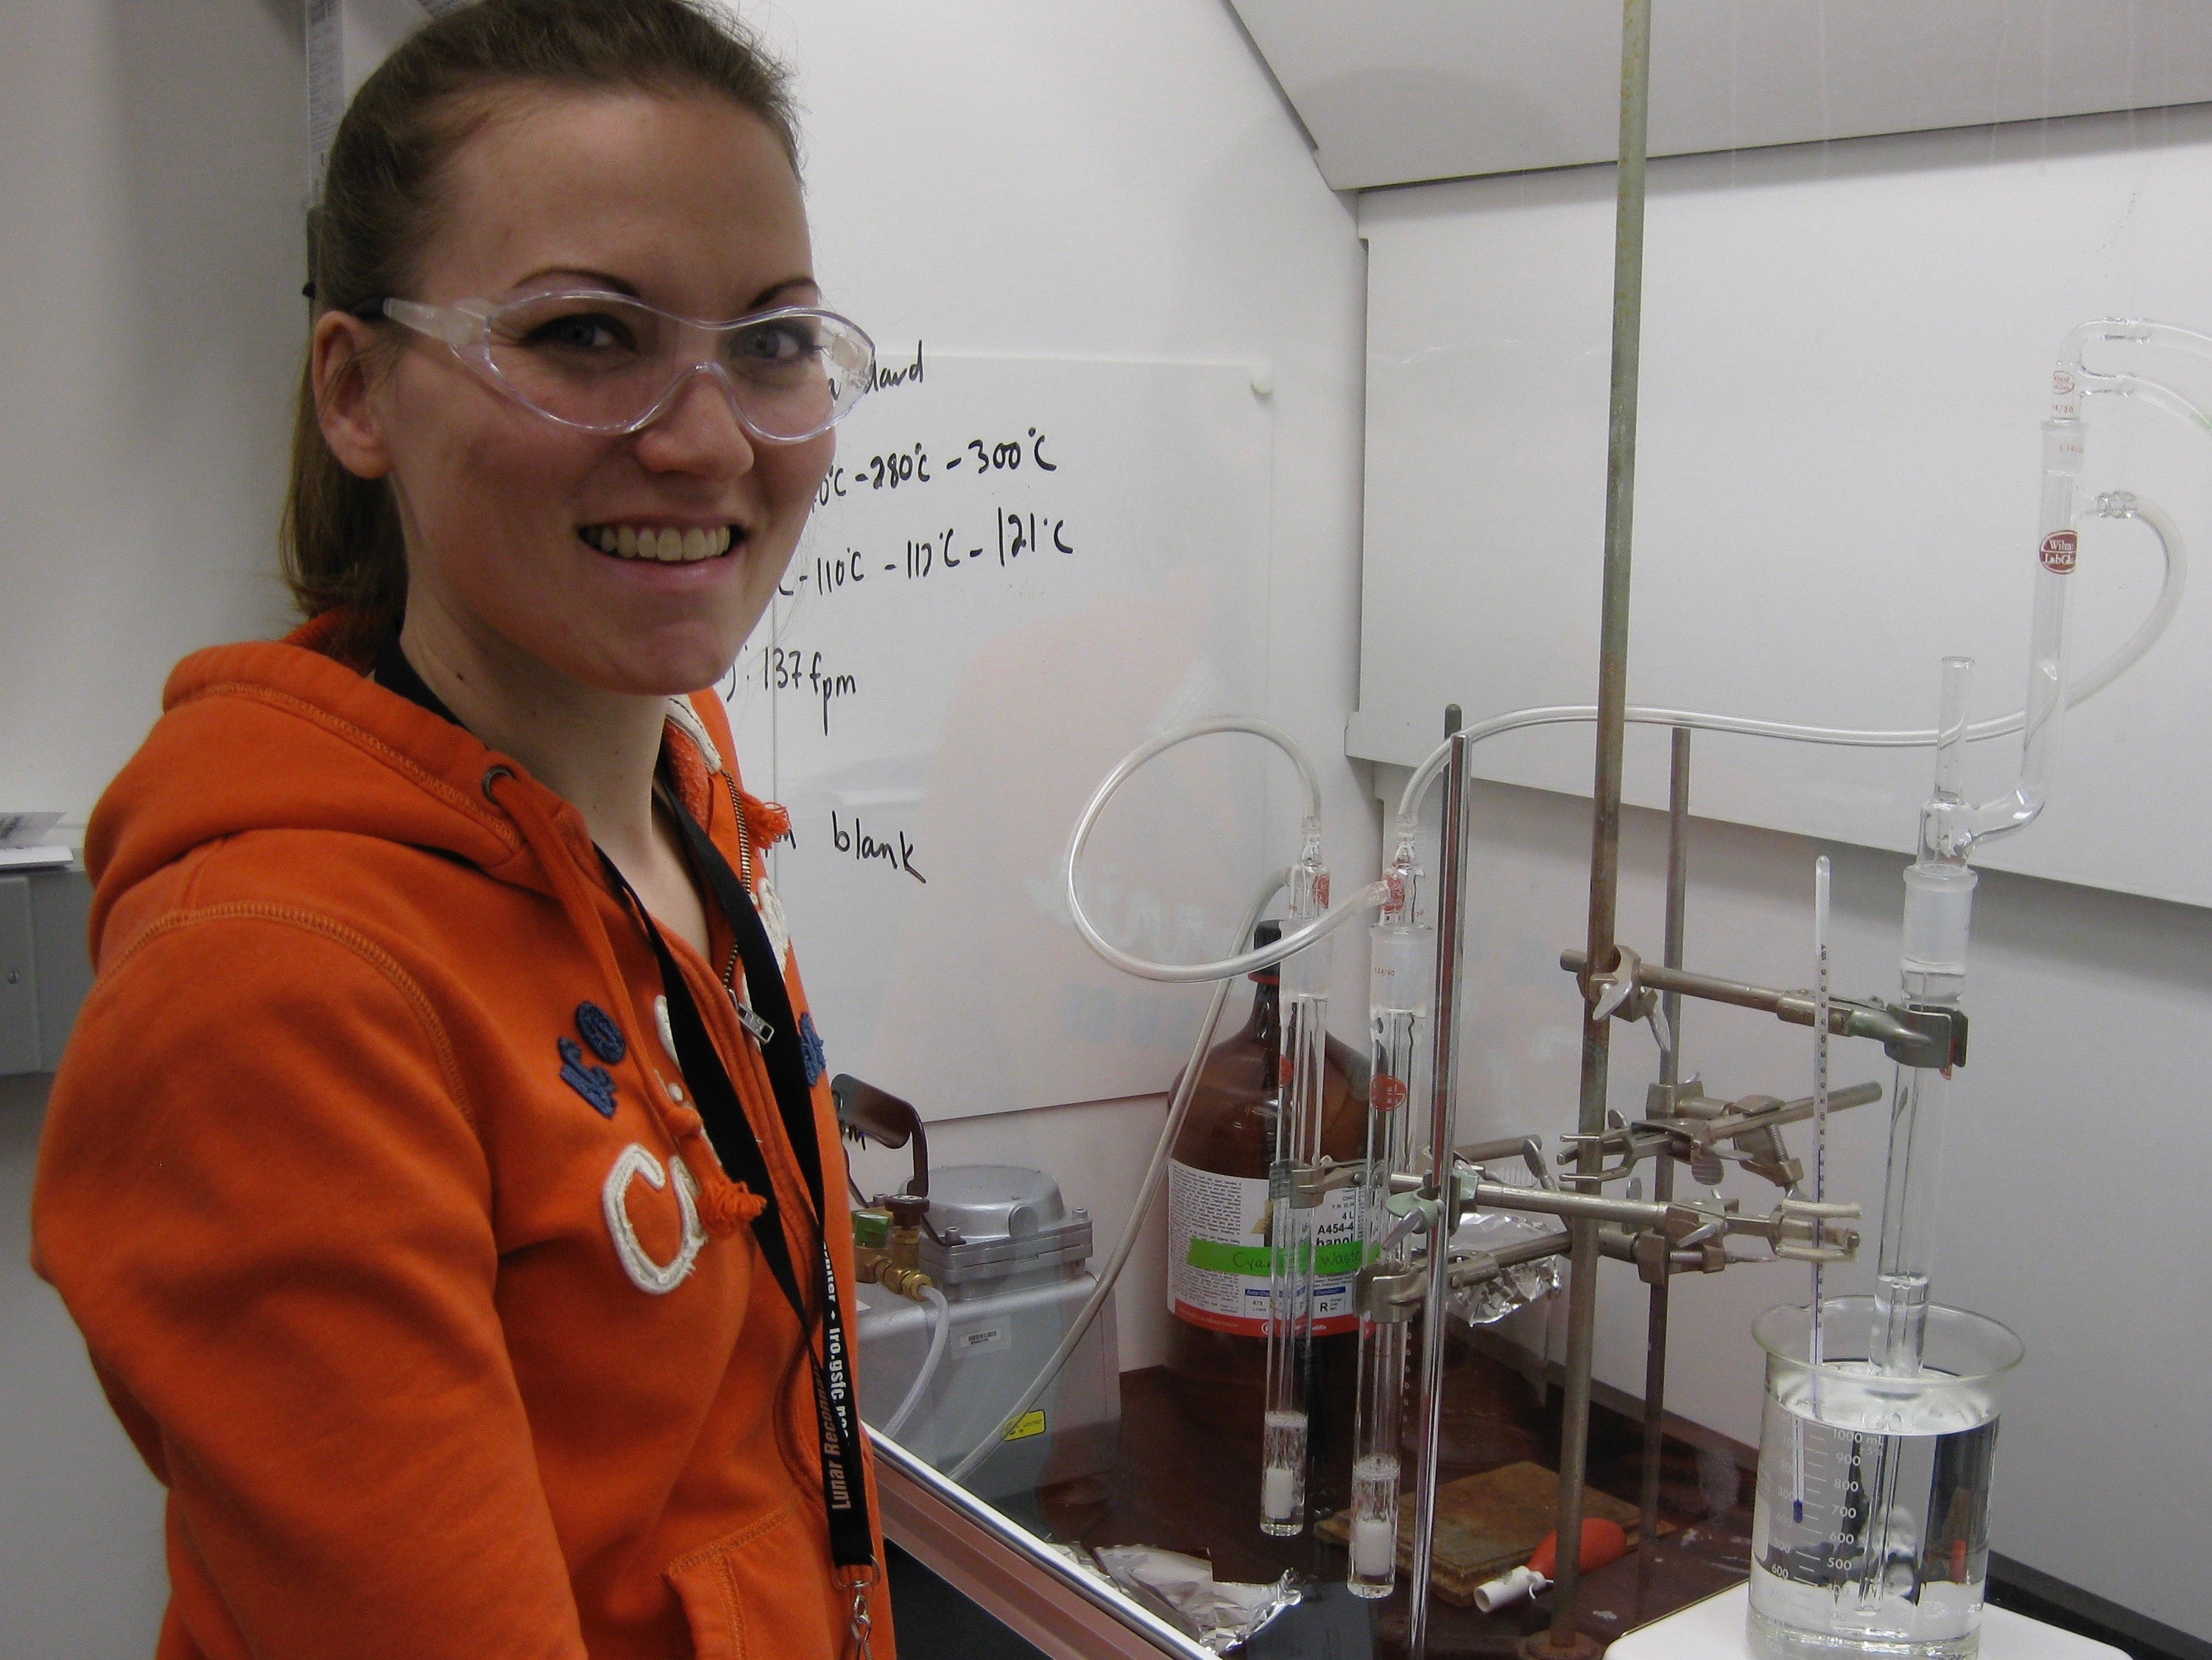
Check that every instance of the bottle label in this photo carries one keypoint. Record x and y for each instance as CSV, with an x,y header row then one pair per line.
x,y
1218,1260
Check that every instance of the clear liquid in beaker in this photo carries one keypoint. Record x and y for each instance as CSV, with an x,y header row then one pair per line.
x,y
1870,1534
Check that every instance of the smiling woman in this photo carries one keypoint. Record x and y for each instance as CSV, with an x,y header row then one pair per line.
x,y
473,1293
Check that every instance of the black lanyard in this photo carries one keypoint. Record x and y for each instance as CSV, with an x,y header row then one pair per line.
x,y
844,1486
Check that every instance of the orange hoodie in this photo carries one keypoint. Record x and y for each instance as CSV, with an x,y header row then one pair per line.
x,y
369,1179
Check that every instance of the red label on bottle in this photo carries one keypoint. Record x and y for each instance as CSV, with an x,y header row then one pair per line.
x,y
1386,1093
1321,891
2058,550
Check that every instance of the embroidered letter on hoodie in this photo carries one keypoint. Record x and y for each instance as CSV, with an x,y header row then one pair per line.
x,y
658,1279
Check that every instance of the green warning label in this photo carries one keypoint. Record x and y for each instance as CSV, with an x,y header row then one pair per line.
x,y
1215,1257
1219,1258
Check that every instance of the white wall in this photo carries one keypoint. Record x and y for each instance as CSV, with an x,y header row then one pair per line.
x,y
1847,350
151,168
151,249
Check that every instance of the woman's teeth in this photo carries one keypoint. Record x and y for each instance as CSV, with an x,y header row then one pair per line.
x,y
669,547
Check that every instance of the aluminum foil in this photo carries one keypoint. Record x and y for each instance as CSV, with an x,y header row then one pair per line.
x,y
1182,1591
1516,1287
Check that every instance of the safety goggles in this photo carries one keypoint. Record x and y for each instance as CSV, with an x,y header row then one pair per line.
x,y
608,363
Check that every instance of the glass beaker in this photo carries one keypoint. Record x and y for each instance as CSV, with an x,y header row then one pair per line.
x,y
1870,1534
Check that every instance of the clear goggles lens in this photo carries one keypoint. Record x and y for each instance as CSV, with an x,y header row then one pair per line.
x,y
608,363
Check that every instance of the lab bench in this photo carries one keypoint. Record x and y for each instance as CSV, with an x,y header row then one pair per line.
x,y
1184,1479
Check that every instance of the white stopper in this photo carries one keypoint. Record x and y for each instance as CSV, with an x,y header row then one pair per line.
x,y
1509,1588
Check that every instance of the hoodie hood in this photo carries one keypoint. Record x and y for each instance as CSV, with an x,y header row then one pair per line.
x,y
277,735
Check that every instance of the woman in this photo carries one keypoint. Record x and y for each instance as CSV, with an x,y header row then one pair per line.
x,y
438,1172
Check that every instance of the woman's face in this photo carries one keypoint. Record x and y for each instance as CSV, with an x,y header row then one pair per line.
x,y
688,202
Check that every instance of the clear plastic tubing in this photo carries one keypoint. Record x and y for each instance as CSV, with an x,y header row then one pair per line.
x,y
1289,1224
2116,504
940,1325
1295,937
1401,959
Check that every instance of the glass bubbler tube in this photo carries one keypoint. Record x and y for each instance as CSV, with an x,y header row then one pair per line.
x,y
1290,1225
1403,958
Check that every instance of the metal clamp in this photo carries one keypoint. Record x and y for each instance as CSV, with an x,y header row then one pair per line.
x,y
1677,1221
1943,1027
1802,1234
1391,1297
1656,1259
1528,1149
1748,1130
1916,1034
1622,993
1308,1184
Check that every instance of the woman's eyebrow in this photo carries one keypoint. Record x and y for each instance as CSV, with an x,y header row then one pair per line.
x,y
599,279
775,289
613,284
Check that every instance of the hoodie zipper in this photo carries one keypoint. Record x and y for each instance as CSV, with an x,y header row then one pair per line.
x,y
745,875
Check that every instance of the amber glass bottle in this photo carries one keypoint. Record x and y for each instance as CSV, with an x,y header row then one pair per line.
x,y
1216,1254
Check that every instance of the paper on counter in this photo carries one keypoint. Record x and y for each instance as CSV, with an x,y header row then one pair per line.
x,y
26,830
22,841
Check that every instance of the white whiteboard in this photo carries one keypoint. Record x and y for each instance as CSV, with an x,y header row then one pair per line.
x,y
1846,358
1073,557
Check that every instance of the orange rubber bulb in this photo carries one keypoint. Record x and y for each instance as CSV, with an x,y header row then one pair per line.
x,y
1603,1541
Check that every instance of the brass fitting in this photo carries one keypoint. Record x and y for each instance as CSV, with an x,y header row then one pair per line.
x,y
908,1283
906,1212
875,1267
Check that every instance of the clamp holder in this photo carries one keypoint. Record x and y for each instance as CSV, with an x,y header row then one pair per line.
x,y
1391,1297
1916,1035
1624,992
1802,1234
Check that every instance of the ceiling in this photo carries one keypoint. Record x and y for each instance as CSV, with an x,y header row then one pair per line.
x,y
1397,91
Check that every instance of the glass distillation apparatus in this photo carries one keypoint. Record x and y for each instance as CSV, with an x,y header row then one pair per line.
x,y
1871,1518
1870,1528
1872,1494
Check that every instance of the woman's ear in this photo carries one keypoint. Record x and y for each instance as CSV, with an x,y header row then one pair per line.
x,y
343,351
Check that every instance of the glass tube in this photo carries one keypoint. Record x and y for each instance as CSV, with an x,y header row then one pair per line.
x,y
1402,956
1290,1225
1939,897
